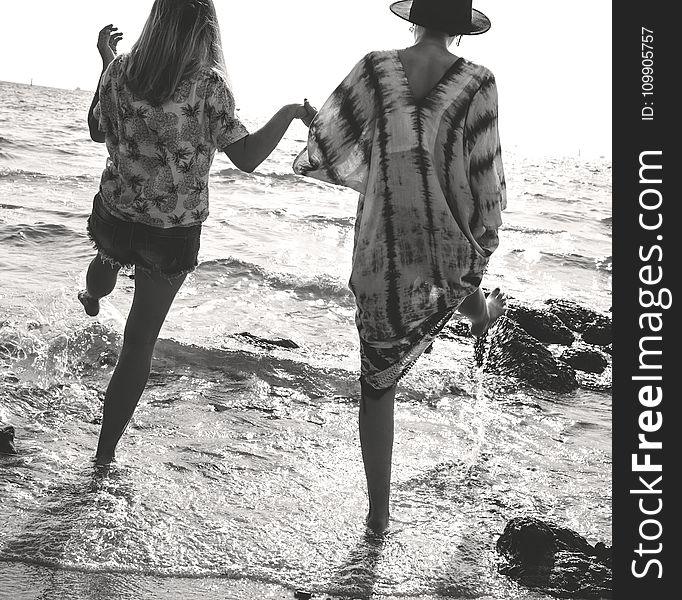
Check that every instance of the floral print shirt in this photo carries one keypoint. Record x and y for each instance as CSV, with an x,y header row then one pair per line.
x,y
160,156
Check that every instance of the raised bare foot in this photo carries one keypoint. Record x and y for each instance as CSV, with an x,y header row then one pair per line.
x,y
90,304
496,303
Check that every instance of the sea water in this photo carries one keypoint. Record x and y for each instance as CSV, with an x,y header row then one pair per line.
x,y
241,467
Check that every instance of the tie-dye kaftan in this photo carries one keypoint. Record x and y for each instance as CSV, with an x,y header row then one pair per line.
x,y
429,173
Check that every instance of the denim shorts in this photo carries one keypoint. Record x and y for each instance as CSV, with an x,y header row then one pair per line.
x,y
167,252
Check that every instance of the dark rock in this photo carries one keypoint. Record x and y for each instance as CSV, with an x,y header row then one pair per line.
x,y
259,341
585,359
598,333
7,440
527,541
541,324
554,559
512,351
575,316
301,595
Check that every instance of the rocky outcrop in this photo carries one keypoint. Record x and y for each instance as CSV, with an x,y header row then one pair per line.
x,y
554,559
598,333
512,351
526,342
585,359
265,342
7,440
544,326
575,316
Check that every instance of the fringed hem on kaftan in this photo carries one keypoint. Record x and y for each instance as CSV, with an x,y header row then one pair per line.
x,y
383,367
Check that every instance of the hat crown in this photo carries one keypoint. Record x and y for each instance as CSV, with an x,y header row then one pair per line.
x,y
454,17
454,12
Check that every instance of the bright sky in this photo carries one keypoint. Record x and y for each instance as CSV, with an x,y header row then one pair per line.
x,y
552,60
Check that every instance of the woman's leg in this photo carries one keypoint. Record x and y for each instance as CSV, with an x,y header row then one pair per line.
x,y
100,282
151,302
482,311
376,442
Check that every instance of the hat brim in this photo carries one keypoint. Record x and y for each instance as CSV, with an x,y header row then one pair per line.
x,y
479,22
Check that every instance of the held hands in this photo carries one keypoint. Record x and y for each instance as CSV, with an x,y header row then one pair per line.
x,y
304,111
310,113
108,39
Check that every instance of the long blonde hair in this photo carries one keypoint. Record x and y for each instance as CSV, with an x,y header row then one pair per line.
x,y
179,38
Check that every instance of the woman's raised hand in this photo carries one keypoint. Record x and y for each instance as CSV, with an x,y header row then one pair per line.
x,y
108,39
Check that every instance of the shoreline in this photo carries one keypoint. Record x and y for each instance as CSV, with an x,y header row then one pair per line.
x,y
23,580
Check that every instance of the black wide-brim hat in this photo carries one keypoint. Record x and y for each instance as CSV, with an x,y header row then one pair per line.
x,y
454,17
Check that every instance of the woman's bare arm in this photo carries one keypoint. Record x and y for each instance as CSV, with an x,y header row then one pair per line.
x,y
107,40
252,150
93,123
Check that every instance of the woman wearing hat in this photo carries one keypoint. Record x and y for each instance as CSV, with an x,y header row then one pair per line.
x,y
414,131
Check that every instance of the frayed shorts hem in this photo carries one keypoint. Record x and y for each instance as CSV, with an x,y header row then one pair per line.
x,y
114,264
165,253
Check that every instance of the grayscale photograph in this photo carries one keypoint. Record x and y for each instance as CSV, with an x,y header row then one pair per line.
x,y
305,300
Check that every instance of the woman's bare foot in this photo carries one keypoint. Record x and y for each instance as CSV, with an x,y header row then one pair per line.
x,y
496,306
104,460
90,304
376,525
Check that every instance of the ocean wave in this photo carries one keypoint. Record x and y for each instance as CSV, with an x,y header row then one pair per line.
x,y
532,230
67,151
286,177
282,179
320,287
316,219
9,173
43,360
229,172
24,551
341,222
36,232
570,218
571,259
563,200
6,172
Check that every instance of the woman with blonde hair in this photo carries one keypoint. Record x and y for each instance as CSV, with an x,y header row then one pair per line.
x,y
414,131
163,110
